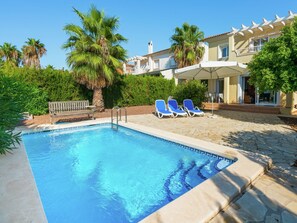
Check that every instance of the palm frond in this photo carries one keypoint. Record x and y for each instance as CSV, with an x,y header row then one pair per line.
x,y
185,45
95,50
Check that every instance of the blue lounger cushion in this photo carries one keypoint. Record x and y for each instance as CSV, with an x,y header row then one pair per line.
x,y
175,109
161,109
191,109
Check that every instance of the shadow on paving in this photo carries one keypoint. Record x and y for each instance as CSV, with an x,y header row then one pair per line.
x,y
280,147
253,205
291,121
258,118
265,200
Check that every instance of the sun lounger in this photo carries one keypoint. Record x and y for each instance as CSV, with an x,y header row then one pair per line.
x,y
189,107
161,109
175,109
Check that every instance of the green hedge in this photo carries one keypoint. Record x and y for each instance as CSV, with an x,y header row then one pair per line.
x,y
193,89
59,85
52,85
137,90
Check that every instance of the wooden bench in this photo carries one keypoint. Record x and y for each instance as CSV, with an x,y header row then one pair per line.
x,y
70,108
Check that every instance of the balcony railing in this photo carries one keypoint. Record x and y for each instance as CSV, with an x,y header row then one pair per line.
x,y
145,69
248,50
140,70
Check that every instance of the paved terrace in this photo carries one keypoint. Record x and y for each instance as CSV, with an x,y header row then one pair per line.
x,y
273,197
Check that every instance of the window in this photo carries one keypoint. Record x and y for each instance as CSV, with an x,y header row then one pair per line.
x,y
267,97
257,44
219,97
204,82
172,62
223,51
156,64
220,86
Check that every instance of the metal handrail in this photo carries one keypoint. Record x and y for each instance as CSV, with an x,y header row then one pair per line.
x,y
118,110
111,116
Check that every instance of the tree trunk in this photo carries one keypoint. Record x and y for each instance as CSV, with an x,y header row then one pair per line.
x,y
98,99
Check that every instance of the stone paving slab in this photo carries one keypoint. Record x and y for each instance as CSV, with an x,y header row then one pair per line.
x,y
18,189
267,201
273,198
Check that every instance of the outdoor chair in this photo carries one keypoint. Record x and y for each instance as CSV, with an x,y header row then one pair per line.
x,y
175,109
189,107
161,109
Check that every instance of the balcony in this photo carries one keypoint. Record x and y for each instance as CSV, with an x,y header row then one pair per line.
x,y
145,69
248,50
140,70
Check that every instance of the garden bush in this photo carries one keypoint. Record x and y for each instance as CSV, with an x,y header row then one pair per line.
x,y
137,90
14,97
36,100
193,89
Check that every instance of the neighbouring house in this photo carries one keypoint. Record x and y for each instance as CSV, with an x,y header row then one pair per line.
x,y
154,63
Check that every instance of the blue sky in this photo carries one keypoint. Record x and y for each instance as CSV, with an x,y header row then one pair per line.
x,y
140,21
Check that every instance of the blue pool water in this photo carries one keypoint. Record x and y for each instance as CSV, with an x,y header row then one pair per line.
x,y
96,174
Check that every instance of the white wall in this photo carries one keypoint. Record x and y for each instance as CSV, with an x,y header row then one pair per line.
x,y
167,74
206,51
164,61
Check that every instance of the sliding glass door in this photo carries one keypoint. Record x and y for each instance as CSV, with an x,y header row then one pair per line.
x,y
252,96
267,98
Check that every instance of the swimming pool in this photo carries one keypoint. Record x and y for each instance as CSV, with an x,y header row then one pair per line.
x,y
96,174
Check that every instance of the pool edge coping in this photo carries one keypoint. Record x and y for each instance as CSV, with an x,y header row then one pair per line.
x,y
193,205
207,199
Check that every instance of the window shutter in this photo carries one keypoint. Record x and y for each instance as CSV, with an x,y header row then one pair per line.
x,y
219,52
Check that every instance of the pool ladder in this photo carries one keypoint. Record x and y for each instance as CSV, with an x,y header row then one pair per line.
x,y
118,111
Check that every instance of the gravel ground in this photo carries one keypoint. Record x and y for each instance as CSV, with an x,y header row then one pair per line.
x,y
134,110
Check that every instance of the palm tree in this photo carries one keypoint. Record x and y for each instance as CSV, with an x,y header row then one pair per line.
x,y
32,52
95,52
185,45
9,54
